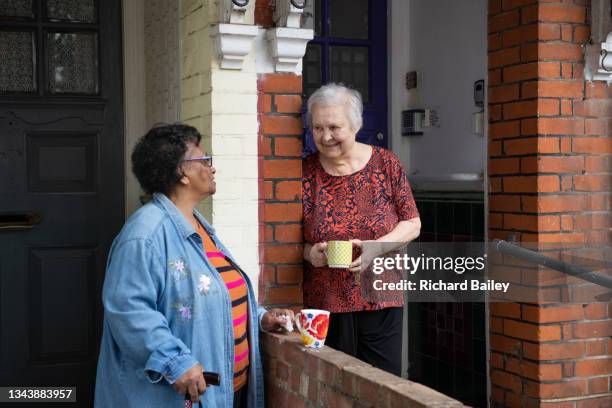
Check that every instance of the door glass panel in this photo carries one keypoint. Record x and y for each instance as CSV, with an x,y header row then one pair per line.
x,y
349,19
17,67
350,66
16,8
72,63
312,69
72,10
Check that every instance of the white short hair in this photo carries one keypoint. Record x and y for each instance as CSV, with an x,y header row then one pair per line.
x,y
334,94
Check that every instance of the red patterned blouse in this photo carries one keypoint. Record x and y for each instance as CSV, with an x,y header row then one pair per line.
x,y
365,205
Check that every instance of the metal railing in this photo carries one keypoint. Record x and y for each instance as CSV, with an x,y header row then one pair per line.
x,y
515,251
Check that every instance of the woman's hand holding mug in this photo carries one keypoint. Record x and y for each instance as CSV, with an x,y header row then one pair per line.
x,y
278,320
317,255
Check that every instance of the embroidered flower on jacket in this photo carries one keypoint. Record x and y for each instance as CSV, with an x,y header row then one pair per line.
x,y
180,265
185,312
204,284
179,269
184,309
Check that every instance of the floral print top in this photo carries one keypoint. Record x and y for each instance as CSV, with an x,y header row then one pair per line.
x,y
365,205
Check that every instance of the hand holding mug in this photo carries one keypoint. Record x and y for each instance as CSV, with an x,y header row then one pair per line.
x,y
317,254
312,325
277,320
367,255
368,250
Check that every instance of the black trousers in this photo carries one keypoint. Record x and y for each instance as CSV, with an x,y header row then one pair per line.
x,y
240,397
372,336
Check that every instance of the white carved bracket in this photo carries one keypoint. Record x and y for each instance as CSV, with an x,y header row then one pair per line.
x,y
288,46
233,43
598,52
288,13
233,11
598,61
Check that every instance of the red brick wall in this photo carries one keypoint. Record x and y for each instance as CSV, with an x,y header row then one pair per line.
x,y
280,149
550,182
264,12
326,378
294,377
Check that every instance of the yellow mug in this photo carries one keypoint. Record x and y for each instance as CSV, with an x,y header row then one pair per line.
x,y
339,254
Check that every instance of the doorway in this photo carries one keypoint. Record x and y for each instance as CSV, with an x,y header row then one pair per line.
x,y
350,47
61,186
440,59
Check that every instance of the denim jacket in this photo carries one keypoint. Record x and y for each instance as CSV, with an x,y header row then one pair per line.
x,y
166,309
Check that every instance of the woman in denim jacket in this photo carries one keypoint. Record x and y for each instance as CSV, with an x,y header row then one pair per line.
x,y
175,302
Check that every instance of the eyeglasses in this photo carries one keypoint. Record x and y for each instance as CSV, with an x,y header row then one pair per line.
x,y
206,160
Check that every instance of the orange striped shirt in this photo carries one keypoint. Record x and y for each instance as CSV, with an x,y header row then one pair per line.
x,y
238,294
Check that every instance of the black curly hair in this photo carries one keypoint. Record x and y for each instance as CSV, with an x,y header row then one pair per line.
x,y
157,155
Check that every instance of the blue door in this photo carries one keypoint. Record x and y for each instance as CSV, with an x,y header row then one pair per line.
x,y
350,46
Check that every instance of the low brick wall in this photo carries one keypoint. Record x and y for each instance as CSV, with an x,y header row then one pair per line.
x,y
296,377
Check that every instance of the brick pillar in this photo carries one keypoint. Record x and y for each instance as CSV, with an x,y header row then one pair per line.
x,y
264,13
549,168
280,165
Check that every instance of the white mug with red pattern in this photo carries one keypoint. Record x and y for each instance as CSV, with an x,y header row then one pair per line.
x,y
312,325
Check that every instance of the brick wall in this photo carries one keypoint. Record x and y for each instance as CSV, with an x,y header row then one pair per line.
x,y
264,12
326,378
280,166
549,182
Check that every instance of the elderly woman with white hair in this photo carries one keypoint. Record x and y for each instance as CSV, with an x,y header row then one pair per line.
x,y
357,192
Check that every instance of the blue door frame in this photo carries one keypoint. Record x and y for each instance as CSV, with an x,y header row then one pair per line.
x,y
374,130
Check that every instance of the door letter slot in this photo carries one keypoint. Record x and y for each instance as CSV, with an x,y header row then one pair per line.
x,y
19,221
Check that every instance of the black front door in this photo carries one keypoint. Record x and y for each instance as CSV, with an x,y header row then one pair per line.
x,y
61,185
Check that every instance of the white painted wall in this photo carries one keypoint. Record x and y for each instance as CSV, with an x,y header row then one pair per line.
x,y
446,42
134,93
233,137
172,74
162,57
151,77
235,205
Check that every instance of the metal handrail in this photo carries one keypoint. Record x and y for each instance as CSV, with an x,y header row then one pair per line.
x,y
448,177
537,258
